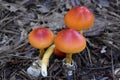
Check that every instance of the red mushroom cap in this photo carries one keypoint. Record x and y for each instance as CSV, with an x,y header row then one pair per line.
x,y
70,41
59,53
41,37
79,18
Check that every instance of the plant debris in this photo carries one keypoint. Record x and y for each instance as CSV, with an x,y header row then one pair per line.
x,y
99,61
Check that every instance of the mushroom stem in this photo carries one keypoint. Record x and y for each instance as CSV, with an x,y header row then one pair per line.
x,y
81,31
45,60
69,58
41,53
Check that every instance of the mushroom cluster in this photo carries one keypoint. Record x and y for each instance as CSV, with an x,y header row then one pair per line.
x,y
67,41
70,41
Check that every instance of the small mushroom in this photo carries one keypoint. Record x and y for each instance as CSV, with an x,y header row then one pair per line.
x,y
45,60
79,18
41,38
70,42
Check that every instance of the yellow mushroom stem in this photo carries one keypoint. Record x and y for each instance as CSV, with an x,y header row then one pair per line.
x,y
81,31
45,60
41,53
69,58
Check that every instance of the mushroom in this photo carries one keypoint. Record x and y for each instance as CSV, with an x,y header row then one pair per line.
x,y
45,60
70,42
41,38
79,18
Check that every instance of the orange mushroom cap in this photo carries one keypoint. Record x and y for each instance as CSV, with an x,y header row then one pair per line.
x,y
79,18
41,37
70,41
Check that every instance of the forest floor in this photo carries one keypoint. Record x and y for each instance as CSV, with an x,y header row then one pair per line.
x,y
99,61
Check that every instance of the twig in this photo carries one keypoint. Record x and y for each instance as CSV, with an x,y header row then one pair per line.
x,y
114,14
82,58
60,70
90,43
109,43
112,64
5,19
89,55
59,5
96,68
11,20
24,74
10,32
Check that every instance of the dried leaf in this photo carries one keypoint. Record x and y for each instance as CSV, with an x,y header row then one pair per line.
x,y
97,29
23,34
4,48
104,3
43,9
12,7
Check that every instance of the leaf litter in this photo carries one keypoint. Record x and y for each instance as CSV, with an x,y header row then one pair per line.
x,y
99,61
